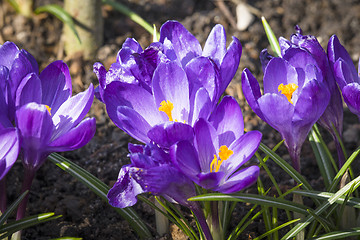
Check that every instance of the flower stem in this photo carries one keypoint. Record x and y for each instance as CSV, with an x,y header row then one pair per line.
x,y
202,221
28,178
3,195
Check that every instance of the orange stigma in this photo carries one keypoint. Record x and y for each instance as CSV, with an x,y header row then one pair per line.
x,y
48,108
288,90
224,154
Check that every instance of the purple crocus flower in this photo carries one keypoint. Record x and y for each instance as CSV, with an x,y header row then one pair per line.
x,y
9,145
220,148
151,170
212,67
345,74
294,97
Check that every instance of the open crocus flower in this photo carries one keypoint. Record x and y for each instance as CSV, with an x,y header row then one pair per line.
x,y
345,74
212,67
9,145
165,115
294,97
220,148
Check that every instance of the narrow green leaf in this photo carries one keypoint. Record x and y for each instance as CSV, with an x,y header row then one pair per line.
x,y
61,14
12,208
15,5
131,14
277,229
235,231
66,238
12,227
100,189
339,234
271,37
324,224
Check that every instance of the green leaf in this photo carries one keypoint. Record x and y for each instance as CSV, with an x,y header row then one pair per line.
x,y
100,189
13,227
15,5
271,37
12,208
339,234
66,238
61,14
132,15
277,229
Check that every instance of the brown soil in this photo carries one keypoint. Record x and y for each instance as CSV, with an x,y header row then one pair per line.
x,y
84,214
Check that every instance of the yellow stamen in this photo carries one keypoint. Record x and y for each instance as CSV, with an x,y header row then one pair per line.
x,y
167,107
288,90
224,154
48,108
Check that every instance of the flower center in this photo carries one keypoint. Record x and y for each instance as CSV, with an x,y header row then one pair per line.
x,y
224,154
167,107
48,108
288,90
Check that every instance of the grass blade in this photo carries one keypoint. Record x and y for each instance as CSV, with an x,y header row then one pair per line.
x,y
271,37
12,208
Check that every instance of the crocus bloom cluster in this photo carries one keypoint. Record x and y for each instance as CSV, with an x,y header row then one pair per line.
x,y
295,97
345,73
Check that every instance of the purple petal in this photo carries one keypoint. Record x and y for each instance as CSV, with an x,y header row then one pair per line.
x,y
171,84
277,72
100,72
284,45
240,180
215,45
251,90
342,73
72,111
9,145
210,180
167,134
186,46
135,97
29,90
202,106
228,121
8,52
123,193
35,126
351,94
230,64
76,138
56,84
129,47
206,142
185,156
265,57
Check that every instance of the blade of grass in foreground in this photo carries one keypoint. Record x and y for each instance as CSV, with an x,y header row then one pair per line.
x,y
12,208
100,189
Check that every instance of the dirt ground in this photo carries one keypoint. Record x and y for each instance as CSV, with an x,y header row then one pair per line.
x,y
84,214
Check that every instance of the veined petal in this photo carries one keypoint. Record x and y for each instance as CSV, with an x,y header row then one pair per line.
x,y
171,84
29,90
342,73
56,85
239,180
8,52
135,97
229,64
228,121
168,133
251,91
72,111
186,46
244,148
210,180
206,142
123,193
351,94
9,145
76,138
215,45
202,106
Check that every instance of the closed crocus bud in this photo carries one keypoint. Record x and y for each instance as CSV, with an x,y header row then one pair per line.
x,y
294,98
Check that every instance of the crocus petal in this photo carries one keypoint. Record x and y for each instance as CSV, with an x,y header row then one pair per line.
x,y
342,73
35,126
207,143
230,64
243,148
210,180
29,90
8,52
185,156
215,45
240,180
131,122
9,145
129,47
132,96
251,90
227,120
168,133
76,138
72,111
202,106
171,84
186,46
123,193
56,85
4,118
351,94
277,72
